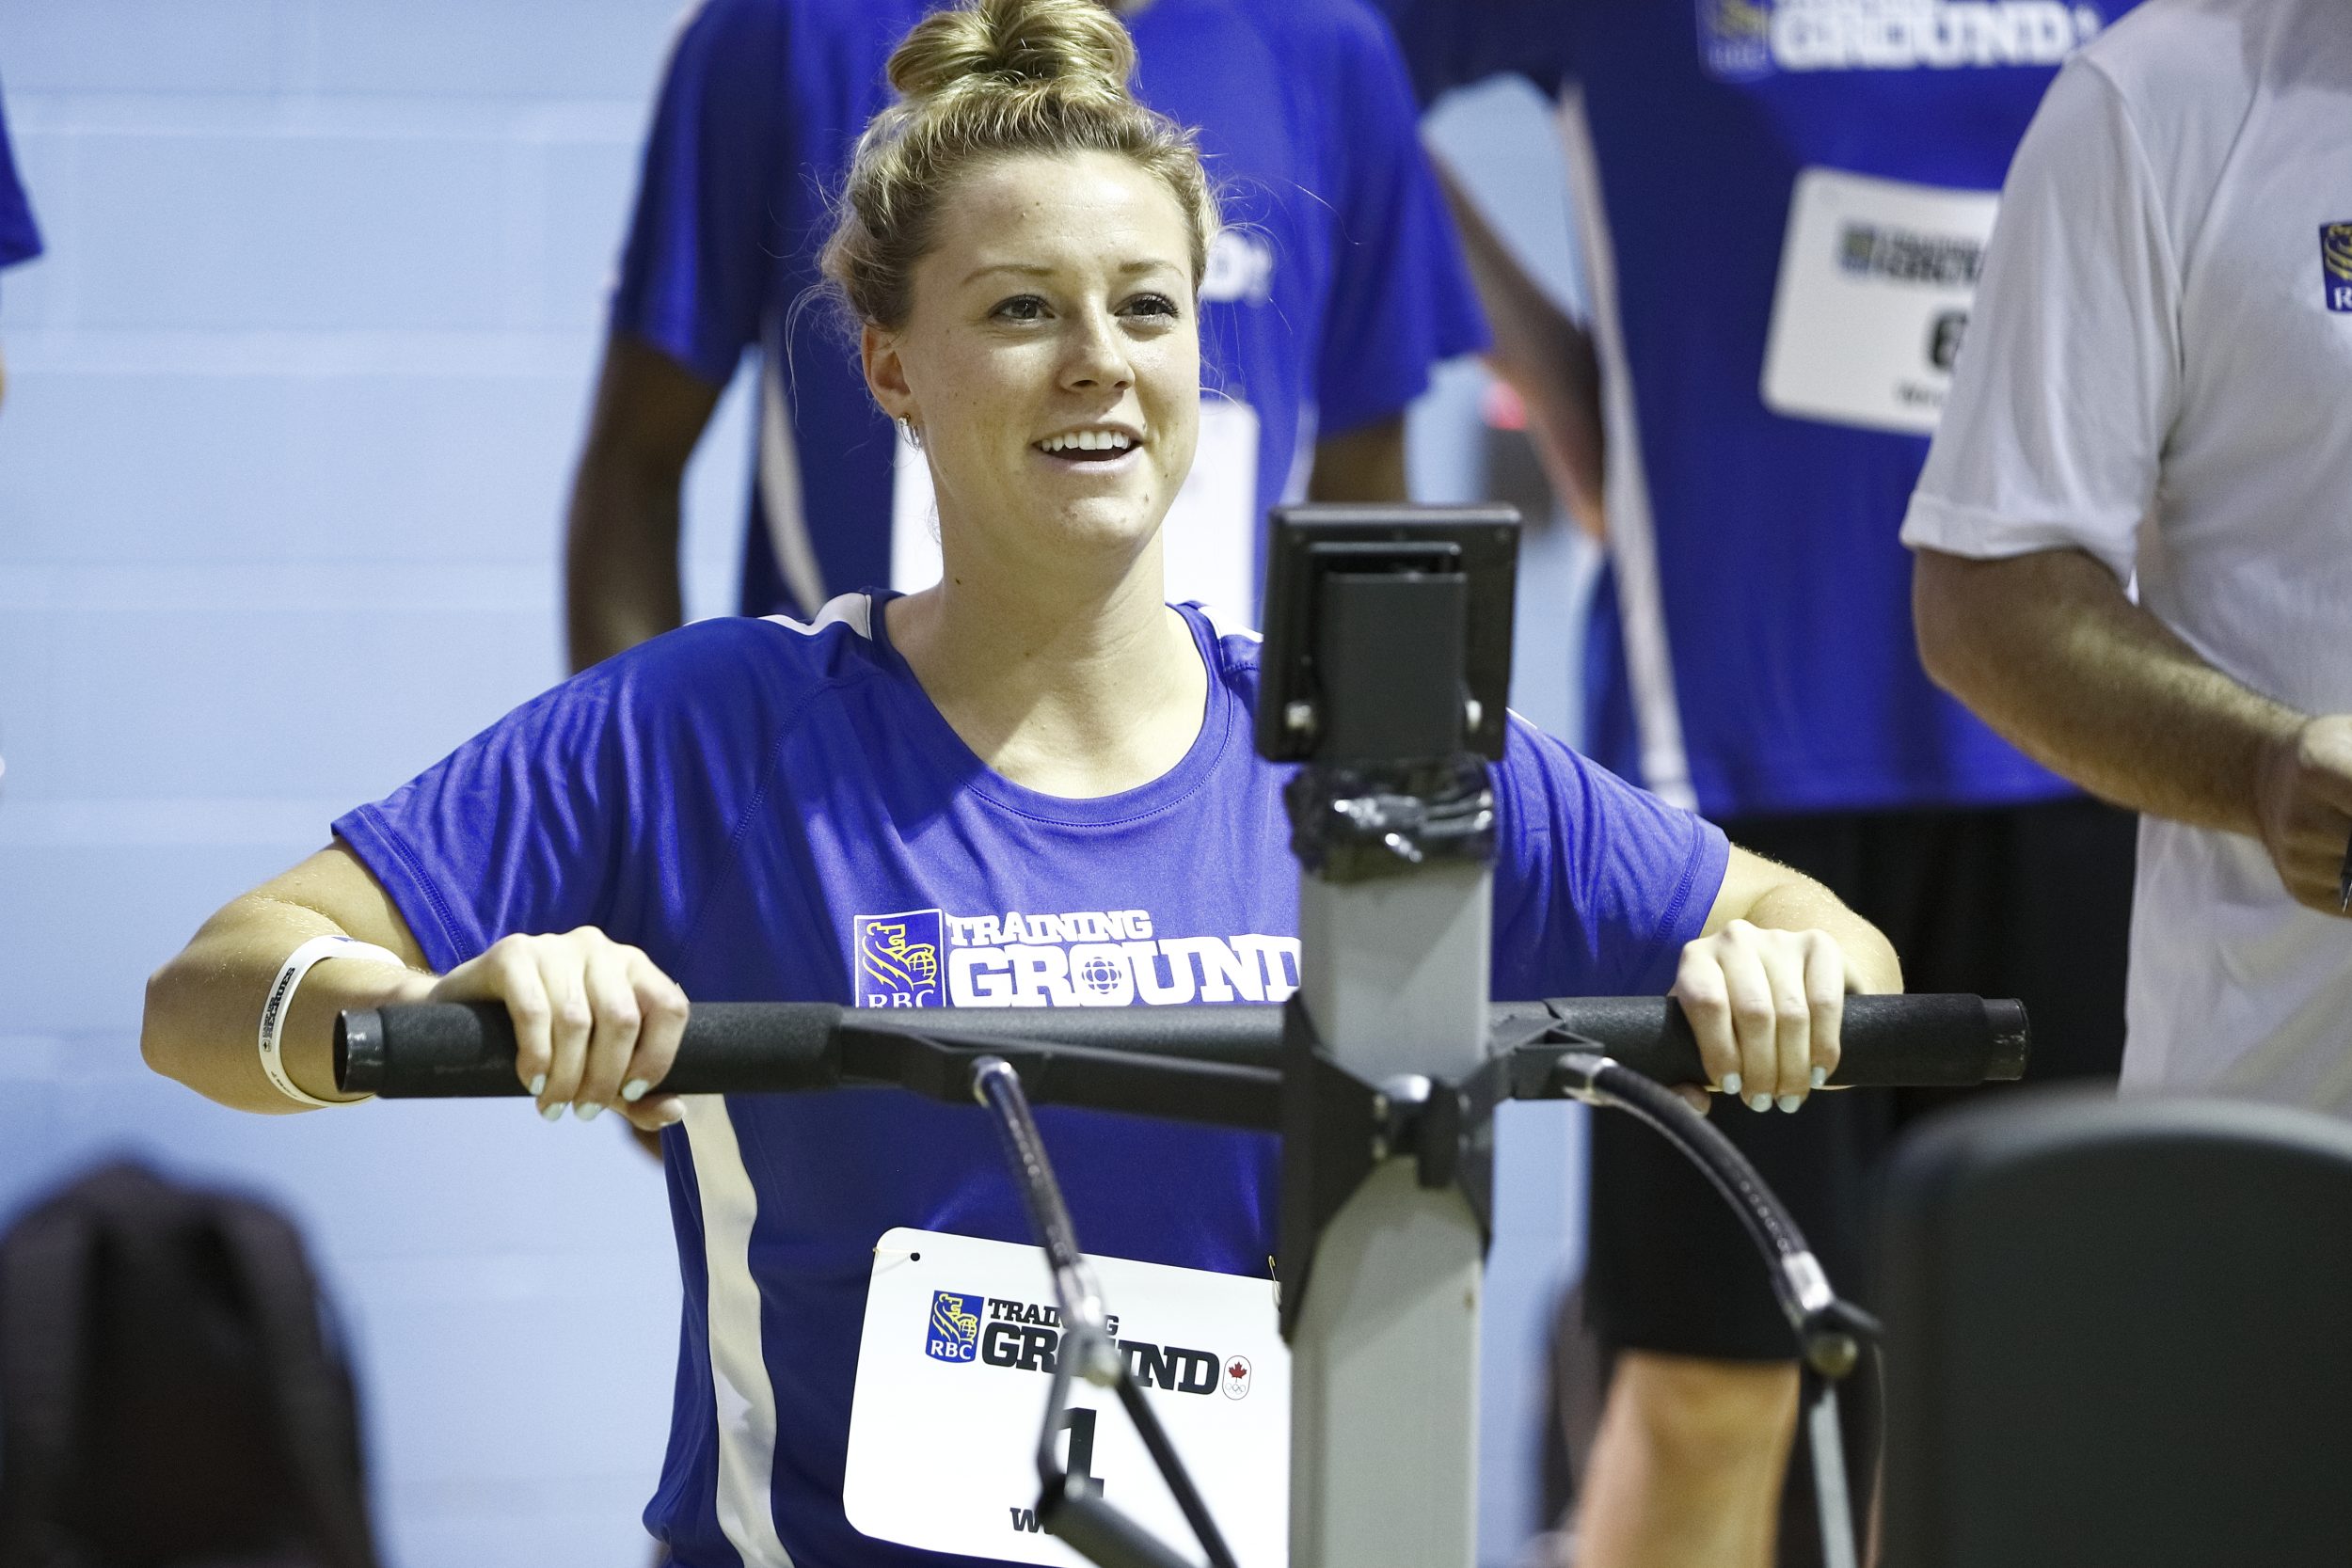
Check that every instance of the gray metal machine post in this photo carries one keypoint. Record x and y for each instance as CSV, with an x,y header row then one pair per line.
x,y
1385,669
1384,1361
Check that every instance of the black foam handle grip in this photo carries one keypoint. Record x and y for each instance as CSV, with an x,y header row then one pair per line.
x,y
1929,1041
445,1050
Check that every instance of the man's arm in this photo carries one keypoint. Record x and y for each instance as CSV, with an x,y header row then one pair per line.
x,y
621,538
1361,465
1545,356
2048,649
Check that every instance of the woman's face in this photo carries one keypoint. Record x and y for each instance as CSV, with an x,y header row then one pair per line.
x,y
1050,362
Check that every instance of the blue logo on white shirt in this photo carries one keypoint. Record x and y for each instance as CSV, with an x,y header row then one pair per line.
x,y
898,958
954,1333
2335,265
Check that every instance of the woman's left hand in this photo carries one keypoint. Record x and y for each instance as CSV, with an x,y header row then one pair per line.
x,y
1766,1005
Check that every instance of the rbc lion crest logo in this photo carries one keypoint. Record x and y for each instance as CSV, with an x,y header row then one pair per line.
x,y
898,958
1736,38
954,1331
2335,264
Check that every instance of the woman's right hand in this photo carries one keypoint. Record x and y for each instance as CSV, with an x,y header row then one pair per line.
x,y
597,1023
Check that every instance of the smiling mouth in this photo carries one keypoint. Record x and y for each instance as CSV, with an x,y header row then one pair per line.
x,y
1088,446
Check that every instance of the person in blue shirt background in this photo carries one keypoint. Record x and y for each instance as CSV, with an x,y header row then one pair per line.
x,y
1782,204
1335,286
993,791
19,241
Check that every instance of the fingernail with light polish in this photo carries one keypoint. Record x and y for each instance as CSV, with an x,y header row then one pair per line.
x,y
1732,1083
1820,1076
635,1090
589,1111
551,1112
538,1086
1759,1100
1790,1101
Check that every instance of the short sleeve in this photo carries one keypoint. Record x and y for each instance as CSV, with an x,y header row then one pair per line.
x,y
1401,298
19,241
607,801
696,271
2068,377
1598,885
1452,44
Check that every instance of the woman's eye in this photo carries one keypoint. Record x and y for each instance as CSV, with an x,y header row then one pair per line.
x,y
1151,305
1020,308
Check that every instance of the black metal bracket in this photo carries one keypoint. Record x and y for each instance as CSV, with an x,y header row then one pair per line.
x,y
1352,824
1338,1128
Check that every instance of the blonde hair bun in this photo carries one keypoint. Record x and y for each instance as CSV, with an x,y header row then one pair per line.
x,y
990,79
1065,47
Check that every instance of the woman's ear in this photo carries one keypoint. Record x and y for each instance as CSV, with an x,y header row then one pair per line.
x,y
885,374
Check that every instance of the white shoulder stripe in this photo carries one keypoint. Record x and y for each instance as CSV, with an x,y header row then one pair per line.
x,y
745,1399
1219,626
1632,541
853,611
779,460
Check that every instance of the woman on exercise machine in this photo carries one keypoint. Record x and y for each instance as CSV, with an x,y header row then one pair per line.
x,y
1032,785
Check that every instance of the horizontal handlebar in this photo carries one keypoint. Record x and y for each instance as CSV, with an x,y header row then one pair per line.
x,y
1101,1055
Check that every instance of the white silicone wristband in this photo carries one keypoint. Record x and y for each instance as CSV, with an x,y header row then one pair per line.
x,y
282,990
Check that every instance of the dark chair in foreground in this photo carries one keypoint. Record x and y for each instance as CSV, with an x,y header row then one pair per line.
x,y
2118,1336
170,1394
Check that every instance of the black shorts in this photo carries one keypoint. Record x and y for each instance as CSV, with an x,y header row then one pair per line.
x,y
2032,902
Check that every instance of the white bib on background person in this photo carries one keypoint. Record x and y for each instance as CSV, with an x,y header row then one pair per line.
x,y
1876,278
955,1369
1210,539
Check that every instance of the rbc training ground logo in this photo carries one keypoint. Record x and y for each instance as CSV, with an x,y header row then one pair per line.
x,y
898,958
1059,958
1744,40
1026,1336
2335,265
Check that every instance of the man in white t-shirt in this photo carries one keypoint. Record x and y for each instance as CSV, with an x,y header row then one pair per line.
x,y
2157,385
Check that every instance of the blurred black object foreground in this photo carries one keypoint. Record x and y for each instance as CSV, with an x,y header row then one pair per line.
x,y
2118,1335
169,1392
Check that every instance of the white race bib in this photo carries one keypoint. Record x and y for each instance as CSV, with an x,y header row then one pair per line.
x,y
953,1374
1209,541
1876,276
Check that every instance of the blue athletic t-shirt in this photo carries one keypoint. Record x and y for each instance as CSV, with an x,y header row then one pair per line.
x,y
1754,653
1336,286
775,811
19,240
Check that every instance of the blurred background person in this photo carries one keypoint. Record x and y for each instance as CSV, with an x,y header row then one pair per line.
x,y
19,241
1784,205
1334,287
2153,394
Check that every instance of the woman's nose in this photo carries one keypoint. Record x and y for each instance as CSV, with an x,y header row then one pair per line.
x,y
1097,356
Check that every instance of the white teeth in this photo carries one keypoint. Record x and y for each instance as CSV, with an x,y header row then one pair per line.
x,y
1087,441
